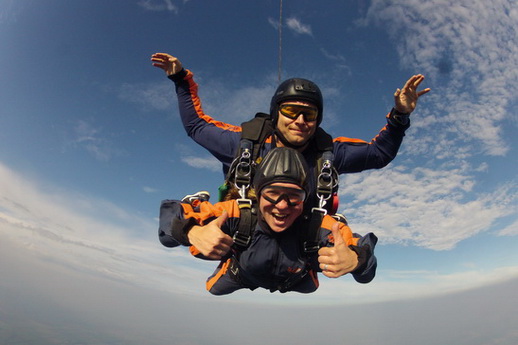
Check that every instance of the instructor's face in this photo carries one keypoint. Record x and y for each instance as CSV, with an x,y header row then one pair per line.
x,y
297,131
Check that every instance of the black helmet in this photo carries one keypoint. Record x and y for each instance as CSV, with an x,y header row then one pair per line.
x,y
281,164
296,89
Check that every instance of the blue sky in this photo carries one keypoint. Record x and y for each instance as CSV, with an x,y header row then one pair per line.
x,y
91,143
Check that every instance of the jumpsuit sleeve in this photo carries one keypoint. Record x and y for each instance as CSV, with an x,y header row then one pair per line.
x,y
219,138
177,218
367,262
173,225
355,155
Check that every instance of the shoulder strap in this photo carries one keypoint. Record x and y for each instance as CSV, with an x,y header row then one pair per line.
x,y
247,221
323,140
253,135
257,130
326,190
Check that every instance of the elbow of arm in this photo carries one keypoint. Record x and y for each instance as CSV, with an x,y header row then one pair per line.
x,y
367,262
167,241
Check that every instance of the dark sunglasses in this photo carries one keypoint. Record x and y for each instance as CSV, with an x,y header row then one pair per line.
x,y
275,194
293,111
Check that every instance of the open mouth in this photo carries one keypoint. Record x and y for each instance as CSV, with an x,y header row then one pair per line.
x,y
280,217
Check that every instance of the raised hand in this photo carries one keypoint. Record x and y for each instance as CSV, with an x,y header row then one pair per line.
x,y
406,99
168,63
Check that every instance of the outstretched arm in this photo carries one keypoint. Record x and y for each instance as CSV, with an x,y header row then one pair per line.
x,y
354,155
219,138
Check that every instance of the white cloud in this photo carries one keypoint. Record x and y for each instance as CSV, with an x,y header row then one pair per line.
x,y
159,5
435,209
274,23
197,157
97,238
340,61
236,105
92,236
225,103
92,140
298,27
149,96
510,230
401,285
149,189
208,162
469,50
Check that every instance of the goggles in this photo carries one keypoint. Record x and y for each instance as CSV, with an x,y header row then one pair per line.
x,y
275,194
293,111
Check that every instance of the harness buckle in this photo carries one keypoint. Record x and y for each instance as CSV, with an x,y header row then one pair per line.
x,y
244,203
310,247
325,180
340,217
243,234
234,268
241,240
317,213
321,210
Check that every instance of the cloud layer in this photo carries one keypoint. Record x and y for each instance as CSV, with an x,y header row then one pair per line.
x,y
469,53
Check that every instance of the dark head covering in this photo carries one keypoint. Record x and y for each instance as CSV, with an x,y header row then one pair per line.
x,y
281,164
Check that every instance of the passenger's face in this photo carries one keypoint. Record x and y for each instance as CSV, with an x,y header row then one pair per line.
x,y
296,131
280,216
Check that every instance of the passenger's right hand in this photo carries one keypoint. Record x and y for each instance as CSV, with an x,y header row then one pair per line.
x,y
168,63
210,240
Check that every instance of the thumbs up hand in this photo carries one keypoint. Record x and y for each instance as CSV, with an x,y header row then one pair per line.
x,y
338,260
210,240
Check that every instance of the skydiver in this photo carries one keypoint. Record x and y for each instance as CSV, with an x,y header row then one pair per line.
x,y
274,259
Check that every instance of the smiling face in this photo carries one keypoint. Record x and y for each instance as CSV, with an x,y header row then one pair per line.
x,y
296,131
274,205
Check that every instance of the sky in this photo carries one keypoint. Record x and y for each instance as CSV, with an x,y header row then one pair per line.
x,y
91,142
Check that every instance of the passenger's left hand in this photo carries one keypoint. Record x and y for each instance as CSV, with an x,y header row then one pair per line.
x,y
337,260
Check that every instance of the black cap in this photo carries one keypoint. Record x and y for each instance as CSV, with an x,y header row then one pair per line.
x,y
282,164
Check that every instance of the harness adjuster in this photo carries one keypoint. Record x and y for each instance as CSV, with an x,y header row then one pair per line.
x,y
241,240
234,268
326,180
291,281
320,210
311,247
340,217
244,203
317,214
